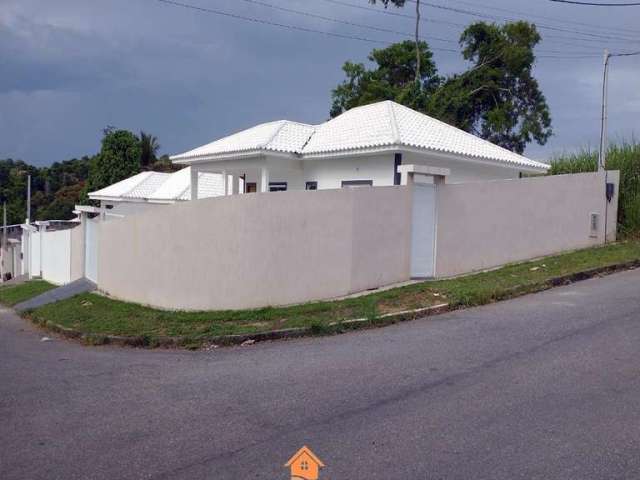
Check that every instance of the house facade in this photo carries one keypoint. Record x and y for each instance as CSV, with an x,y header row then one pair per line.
x,y
362,147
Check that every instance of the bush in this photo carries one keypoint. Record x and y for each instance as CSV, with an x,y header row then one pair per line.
x,y
624,157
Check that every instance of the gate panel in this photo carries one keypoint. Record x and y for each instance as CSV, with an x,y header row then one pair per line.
x,y
423,231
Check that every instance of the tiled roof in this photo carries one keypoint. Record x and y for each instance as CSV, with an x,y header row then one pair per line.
x,y
371,126
280,136
157,186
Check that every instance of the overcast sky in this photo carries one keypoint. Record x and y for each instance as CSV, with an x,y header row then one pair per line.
x,y
68,68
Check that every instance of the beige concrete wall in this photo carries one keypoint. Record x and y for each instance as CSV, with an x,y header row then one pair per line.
x,y
254,250
487,224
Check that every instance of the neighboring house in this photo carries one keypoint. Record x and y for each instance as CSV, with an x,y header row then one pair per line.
x,y
363,146
149,189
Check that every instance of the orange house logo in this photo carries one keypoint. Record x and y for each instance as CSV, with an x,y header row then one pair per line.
x,y
304,465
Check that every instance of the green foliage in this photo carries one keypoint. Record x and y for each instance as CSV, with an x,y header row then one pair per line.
x,y
624,157
56,189
119,158
14,294
149,147
497,98
392,78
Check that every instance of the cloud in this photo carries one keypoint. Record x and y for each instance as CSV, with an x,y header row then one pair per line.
x,y
71,67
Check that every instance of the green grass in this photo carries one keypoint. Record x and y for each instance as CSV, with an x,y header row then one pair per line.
x,y
13,294
99,315
624,156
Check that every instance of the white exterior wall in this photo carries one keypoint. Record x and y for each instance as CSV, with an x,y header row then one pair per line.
x,y
56,256
330,172
463,171
34,257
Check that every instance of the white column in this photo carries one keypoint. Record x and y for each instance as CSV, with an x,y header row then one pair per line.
x,y
264,179
194,183
225,183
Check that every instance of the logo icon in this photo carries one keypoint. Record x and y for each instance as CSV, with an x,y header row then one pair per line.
x,y
304,465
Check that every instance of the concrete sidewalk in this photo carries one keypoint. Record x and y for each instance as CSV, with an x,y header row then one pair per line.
x,y
65,291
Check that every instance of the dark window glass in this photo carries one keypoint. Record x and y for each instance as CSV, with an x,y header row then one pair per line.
x,y
277,186
311,186
357,183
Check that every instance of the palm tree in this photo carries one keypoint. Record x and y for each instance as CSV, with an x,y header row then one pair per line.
x,y
150,146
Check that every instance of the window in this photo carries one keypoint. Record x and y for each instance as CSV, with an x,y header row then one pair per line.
x,y
251,187
311,186
277,186
357,183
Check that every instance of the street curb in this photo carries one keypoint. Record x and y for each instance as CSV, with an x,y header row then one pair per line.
x,y
331,328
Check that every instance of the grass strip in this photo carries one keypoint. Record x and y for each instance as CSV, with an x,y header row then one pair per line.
x,y
97,315
13,294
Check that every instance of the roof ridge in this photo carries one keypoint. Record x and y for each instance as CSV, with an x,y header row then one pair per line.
x,y
395,130
282,124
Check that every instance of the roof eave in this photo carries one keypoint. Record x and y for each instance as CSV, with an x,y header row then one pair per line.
x,y
412,149
181,160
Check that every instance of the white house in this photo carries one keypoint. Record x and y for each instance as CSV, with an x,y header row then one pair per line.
x,y
150,189
363,146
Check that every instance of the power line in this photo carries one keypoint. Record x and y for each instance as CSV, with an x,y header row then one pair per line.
x,y
311,30
631,54
283,25
541,26
344,22
544,17
454,24
594,4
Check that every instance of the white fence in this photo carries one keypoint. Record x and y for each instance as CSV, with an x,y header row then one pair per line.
x,y
52,255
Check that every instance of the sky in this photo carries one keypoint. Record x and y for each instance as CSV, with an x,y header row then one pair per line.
x,y
69,68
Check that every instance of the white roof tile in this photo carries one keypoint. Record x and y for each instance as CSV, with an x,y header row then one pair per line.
x,y
376,125
158,186
280,136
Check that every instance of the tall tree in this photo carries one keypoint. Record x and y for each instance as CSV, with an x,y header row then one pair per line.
x,y
497,98
119,158
149,148
400,3
391,78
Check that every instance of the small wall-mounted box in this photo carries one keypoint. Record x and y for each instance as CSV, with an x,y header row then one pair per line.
x,y
594,224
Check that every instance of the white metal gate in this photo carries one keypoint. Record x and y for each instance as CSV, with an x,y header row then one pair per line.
x,y
423,231
91,250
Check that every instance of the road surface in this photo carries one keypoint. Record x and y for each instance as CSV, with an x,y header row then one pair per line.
x,y
546,386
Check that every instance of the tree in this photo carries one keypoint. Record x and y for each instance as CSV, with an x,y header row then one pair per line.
x,y
497,98
119,158
400,3
149,148
392,78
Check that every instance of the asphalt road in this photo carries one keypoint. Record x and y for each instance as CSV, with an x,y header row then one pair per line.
x,y
542,387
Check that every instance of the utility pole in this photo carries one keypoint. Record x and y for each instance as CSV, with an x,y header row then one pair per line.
x,y
4,241
418,42
28,199
602,156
